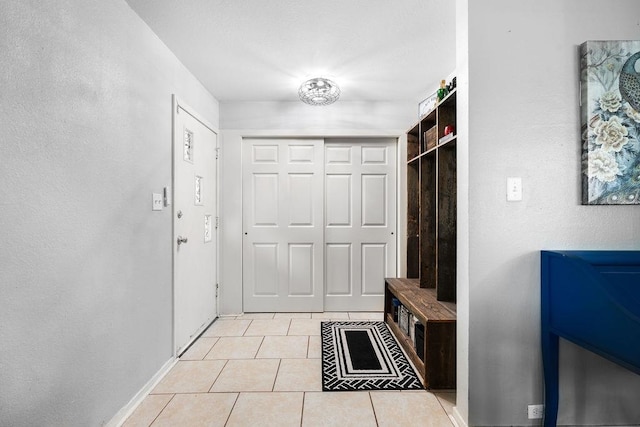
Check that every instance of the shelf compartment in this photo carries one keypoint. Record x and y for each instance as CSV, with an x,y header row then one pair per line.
x,y
446,241
407,346
413,219
413,145
447,114
428,179
439,320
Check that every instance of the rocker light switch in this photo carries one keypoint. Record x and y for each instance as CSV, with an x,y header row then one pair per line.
x,y
157,202
514,189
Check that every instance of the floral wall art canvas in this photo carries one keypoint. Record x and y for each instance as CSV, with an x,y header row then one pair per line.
x,y
610,113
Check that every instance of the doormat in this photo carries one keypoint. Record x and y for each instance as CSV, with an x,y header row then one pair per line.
x,y
364,356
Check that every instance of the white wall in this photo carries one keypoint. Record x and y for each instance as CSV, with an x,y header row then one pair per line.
x,y
297,115
292,119
524,121
85,265
461,409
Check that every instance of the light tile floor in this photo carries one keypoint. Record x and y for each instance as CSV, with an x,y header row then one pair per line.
x,y
264,369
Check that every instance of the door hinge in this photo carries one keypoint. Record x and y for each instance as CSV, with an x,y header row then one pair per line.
x,y
217,222
217,152
217,287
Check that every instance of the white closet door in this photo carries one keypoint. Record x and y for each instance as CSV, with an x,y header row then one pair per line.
x,y
282,225
360,222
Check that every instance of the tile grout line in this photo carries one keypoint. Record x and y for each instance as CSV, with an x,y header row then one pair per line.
x,y
160,412
275,378
248,326
232,408
218,376
304,395
195,392
373,408
255,356
211,349
442,406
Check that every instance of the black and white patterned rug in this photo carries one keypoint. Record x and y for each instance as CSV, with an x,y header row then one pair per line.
x,y
364,356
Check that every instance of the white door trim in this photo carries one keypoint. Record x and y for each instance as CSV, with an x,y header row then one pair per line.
x,y
176,105
179,104
230,301
230,266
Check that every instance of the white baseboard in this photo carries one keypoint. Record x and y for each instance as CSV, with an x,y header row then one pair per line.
x,y
120,417
222,316
457,418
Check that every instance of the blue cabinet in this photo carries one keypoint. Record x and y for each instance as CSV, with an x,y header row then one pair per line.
x,y
591,298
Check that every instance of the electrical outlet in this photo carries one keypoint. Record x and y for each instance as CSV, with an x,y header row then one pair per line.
x,y
535,412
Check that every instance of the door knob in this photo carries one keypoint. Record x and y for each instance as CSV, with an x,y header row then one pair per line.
x,y
181,240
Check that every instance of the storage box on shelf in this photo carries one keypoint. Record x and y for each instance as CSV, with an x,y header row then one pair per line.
x,y
430,138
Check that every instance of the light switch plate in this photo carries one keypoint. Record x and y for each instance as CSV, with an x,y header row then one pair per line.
x,y
514,189
157,202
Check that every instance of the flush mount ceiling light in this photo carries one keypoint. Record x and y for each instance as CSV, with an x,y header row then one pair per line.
x,y
319,91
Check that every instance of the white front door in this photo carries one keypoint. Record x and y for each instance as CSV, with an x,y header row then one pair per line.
x,y
360,217
282,182
194,226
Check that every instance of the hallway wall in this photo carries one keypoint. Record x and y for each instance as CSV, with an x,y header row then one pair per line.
x,y
85,265
523,74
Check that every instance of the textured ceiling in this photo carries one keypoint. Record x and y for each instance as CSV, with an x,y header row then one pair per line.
x,y
261,50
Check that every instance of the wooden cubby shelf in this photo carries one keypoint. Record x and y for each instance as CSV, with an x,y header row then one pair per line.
x,y
431,196
429,291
